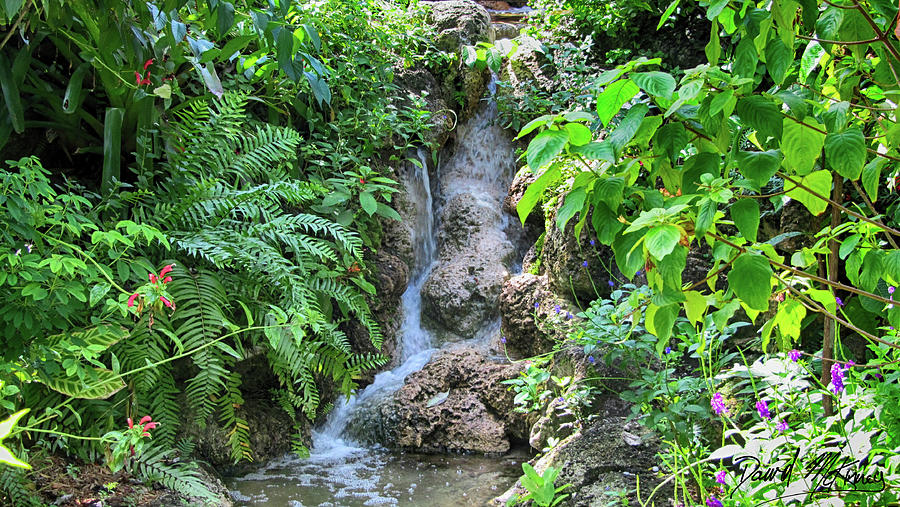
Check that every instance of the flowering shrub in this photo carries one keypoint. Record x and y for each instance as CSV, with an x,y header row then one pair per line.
x,y
129,443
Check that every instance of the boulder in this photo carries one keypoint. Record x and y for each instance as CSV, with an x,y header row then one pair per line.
x,y
505,31
419,83
533,318
599,461
528,64
563,259
459,23
455,403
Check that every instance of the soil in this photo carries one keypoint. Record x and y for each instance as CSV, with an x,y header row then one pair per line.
x,y
72,483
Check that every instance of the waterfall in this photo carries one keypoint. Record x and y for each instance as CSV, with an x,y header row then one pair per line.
x,y
415,342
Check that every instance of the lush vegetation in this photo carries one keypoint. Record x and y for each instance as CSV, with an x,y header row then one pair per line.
x,y
788,340
189,185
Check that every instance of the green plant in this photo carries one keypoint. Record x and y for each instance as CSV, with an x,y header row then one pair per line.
x,y
540,487
530,387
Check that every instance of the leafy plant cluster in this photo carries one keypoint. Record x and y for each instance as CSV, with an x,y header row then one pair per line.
x,y
794,105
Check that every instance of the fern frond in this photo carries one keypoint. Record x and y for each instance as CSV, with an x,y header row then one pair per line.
x,y
153,466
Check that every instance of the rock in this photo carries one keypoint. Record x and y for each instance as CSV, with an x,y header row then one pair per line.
x,y
606,457
505,31
419,82
473,412
563,257
496,5
528,64
526,337
458,23
390,280
271,427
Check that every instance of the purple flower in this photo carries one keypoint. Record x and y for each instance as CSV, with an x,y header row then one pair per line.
x,y
763,408
502,339
561,399
720,476
569,316
557,309
611,283
593,243
838,300
794,355
891,289
29,245
591,359
782,426
837,378
668,350
537,304
713,502
638,272
718,404
584,264
879,376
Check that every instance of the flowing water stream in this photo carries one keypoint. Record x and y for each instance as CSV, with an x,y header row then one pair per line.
x,y
343,472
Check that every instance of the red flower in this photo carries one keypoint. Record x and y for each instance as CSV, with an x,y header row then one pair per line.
x,y
148,63
165,270
167,302
152,278
130,423
137,77
146,79
362,181
167,279
131,299
144,420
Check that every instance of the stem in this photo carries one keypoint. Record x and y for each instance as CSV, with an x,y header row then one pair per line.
x,y
832,263
88,257
12,29
871,208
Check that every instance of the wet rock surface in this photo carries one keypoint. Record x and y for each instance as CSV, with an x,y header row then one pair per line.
x,y
530,321
455,403
606,457
459,22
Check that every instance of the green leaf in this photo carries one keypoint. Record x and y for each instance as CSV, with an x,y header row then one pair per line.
x,y
7,456
98,292
388,212
545,146
872,270
845,152
579,135
319,87
627,128
534,191
871,174
713,48
112,148
285,54
854,27
596,151
751,280
660,321
802,144
11,96
8,424
848,245
605,223
628,259
573,203
668,12
759,166
74,95
661,240
657,84
368,203
610,102
670,139
810,59
12,7
762,114
610,191
778,60
745,213
745,58
105,385
695,306
705,216
819,182
224,18
891,264
720,102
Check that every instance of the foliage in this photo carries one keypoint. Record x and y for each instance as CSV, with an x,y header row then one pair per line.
x,y
540,487
530,388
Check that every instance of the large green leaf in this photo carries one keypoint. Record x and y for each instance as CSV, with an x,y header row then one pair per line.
x,y
660,321
368,203
657,84
871,174
573,203
761,114
614,97
11,96
533,193
745,58
579,135
751,280
628,127
545,146
846,152
759,166
610,191
661,240
285,54
628,259
670,139
596,151
802,144
224,18
778,60
105,385
713,48
820,183
745,213
854,27
112,148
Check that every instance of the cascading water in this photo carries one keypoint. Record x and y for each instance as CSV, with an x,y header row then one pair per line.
x,y
343,471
